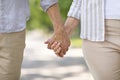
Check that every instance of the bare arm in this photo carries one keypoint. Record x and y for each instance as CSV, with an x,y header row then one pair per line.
x,y
72,21
74,16
55,17
70,25
59,34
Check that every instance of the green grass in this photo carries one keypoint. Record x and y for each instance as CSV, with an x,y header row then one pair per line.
x,y
76,43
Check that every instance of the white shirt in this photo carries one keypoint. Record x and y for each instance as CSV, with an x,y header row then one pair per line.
x,y
112,9
15,13
92,14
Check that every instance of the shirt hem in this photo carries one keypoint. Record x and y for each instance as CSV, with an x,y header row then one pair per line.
x,y
11,31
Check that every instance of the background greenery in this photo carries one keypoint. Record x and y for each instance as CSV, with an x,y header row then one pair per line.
x,y
40,20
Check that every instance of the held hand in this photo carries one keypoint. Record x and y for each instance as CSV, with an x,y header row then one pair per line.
x,y
56,46
62,41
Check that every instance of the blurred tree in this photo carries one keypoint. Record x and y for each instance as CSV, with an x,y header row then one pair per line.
x,y
64,7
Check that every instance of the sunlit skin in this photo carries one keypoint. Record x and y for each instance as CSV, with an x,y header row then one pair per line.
x,y
70,24
60,36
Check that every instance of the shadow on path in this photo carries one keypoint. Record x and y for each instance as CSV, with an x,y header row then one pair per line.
x,y
57,68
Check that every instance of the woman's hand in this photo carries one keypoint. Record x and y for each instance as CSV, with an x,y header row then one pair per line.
x,y
59,42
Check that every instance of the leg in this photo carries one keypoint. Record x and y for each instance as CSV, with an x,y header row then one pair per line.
x,y
11,54
103,62
103,58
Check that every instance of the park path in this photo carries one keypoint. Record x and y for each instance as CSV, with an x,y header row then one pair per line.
x,y
42,64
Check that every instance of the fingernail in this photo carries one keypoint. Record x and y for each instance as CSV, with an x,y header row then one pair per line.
x,y
56,42
59,43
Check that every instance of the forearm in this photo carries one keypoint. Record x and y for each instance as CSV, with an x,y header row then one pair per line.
x,y
70,25
73,17
55,17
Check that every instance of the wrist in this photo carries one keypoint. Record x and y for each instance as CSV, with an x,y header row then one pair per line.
x,y
59,29
68,30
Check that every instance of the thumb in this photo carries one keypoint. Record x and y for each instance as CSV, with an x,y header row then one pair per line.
x,y
47,42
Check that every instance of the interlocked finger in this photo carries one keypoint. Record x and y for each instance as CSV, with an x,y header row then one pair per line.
x,y
50,42
56,47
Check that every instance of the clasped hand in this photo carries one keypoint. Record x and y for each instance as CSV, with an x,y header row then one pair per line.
x,y
59,42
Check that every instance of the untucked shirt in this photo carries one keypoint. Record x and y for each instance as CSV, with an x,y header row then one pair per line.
x,y
92,14
13,15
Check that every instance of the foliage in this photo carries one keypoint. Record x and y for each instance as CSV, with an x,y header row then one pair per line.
x,y
76,42
38,18
64,7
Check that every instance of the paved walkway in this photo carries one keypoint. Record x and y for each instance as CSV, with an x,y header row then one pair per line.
x,y
42,64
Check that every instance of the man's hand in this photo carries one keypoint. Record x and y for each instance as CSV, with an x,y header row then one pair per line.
x,y
59,36
70,25
59,42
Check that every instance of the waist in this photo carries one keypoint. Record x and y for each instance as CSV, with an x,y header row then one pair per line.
x,y
112,14
12,26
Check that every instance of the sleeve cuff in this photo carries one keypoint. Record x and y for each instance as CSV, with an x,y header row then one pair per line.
x,y
45,4
76,15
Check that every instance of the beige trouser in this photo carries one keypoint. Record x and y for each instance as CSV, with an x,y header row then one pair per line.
x,y
11,54
103,58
